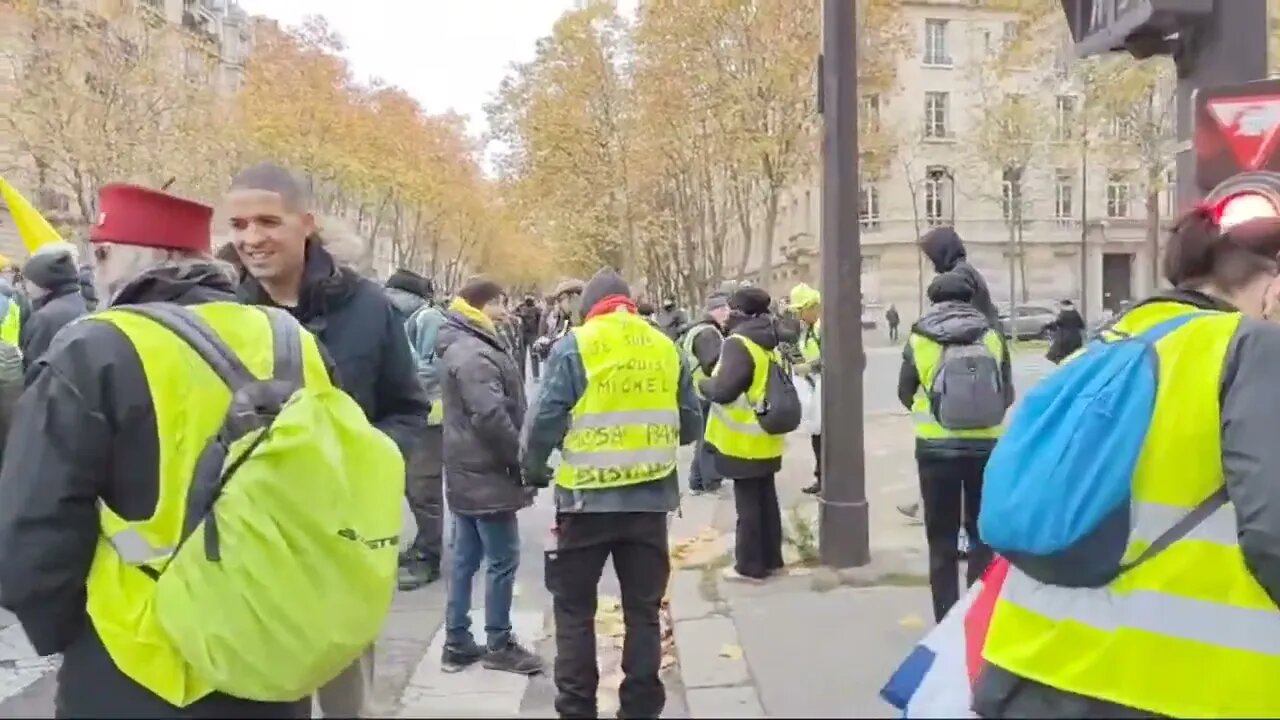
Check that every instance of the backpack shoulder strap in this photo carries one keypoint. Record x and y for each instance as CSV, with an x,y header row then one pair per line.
x,y
196,333
1182,528
286,338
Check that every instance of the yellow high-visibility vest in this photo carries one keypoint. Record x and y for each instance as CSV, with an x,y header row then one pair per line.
x,y
734,429
695,367
625,428
1190,632
927,355
811,342
11,326
190,403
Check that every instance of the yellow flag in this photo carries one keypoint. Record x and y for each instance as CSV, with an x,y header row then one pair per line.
x,y
32,227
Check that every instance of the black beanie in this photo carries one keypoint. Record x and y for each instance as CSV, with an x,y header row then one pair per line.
x,y
604,283
950,286
51,270
750,301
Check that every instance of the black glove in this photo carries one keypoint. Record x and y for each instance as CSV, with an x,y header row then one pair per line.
x,y
537,479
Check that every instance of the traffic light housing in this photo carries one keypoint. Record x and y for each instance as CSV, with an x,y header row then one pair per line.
x,y
1141,27
1244,197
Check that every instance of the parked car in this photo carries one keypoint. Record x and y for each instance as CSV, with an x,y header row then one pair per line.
x,y
1031,321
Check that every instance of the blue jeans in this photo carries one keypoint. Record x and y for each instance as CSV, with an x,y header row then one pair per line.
x,y
495,539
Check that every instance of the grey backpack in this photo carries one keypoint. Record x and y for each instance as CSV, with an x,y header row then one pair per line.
x,y
967,392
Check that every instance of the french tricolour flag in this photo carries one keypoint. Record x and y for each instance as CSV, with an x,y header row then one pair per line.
x,y
936,679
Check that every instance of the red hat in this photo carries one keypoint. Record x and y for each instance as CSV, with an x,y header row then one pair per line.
x,y
133,215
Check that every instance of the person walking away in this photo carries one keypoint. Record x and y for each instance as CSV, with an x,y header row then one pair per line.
x,y
288,267
530,324
1068,333
701,346
742,450
957,384
95,488
807,304
619,401
411,294
672,320
892,319
53,283
484,408
1190,630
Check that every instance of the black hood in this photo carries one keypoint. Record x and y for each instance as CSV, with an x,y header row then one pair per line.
x,y
188,285
411,282
943,247
757,328
324,286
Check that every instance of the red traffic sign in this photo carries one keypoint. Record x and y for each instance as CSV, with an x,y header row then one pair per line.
x,y
1237,129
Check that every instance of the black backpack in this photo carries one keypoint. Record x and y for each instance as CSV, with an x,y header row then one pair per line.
x,y
779,411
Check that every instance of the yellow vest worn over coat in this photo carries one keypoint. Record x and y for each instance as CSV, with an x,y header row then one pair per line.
x,y
1190,632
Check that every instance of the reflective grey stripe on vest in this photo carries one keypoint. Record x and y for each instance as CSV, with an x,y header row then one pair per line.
x,y
1173,616
1150,520
723,416
134,549
923,418
613,418
619,458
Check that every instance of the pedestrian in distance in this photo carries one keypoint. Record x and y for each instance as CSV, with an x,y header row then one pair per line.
x,y
52,282
618,400
411,294
701,345
743,451
1067,331
562,315
1182,607
891,319
118,459
672,319
289,266
530,324
484,409
957,423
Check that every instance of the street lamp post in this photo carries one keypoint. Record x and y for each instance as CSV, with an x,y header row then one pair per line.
x,y
843,527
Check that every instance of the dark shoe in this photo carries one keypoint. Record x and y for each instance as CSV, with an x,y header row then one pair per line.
x,y
460,656
911,510
513,659
418,574
813,489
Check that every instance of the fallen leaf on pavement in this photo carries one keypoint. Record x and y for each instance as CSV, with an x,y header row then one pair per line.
x,y
911,621
732,652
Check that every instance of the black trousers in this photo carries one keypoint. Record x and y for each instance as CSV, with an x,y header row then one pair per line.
x,y
951,491
638,544
758,545
816,441
424,488
893,333
526,351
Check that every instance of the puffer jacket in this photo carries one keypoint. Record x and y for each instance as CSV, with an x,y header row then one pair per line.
x,y
733,378
484,408
949,323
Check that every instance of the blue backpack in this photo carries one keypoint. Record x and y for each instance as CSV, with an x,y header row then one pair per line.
x,y
1056,493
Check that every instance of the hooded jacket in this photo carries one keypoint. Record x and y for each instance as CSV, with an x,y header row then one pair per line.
x,y
563,383
733,378
945,250
484,406
364,334
950,323
49,314
408,291
89,399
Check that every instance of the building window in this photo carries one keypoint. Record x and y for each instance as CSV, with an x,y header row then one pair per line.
x,y
871,111
869,207
1011,193
935,115
1010,32
1064,185
1170,192
1117,195
1014,115
1064,119
1123,128
936,51
935,193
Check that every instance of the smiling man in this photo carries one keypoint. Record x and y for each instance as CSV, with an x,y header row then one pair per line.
x,y
286,266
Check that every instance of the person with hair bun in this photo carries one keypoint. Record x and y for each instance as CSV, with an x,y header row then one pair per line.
x,y
1195,631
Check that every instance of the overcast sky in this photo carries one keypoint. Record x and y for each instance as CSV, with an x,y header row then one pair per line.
x,y
449,54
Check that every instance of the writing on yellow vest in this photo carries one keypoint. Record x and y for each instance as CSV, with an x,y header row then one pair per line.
x,y
927,355
625,428
1190,632
734,429
190,404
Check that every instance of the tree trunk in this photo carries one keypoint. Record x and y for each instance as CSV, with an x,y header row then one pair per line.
x,y
1153,234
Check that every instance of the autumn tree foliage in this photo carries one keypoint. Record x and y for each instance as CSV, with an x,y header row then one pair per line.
x,y
644,144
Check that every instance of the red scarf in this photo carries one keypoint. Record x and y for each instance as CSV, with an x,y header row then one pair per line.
x,y
611,303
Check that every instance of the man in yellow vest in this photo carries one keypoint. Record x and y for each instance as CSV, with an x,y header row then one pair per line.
x,y
89,438
617,400
807,304
951,460
743,451
701,345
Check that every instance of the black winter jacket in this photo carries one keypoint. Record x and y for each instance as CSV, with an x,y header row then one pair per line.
x,y
49,314
733,378
945,250
364,336
85,432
